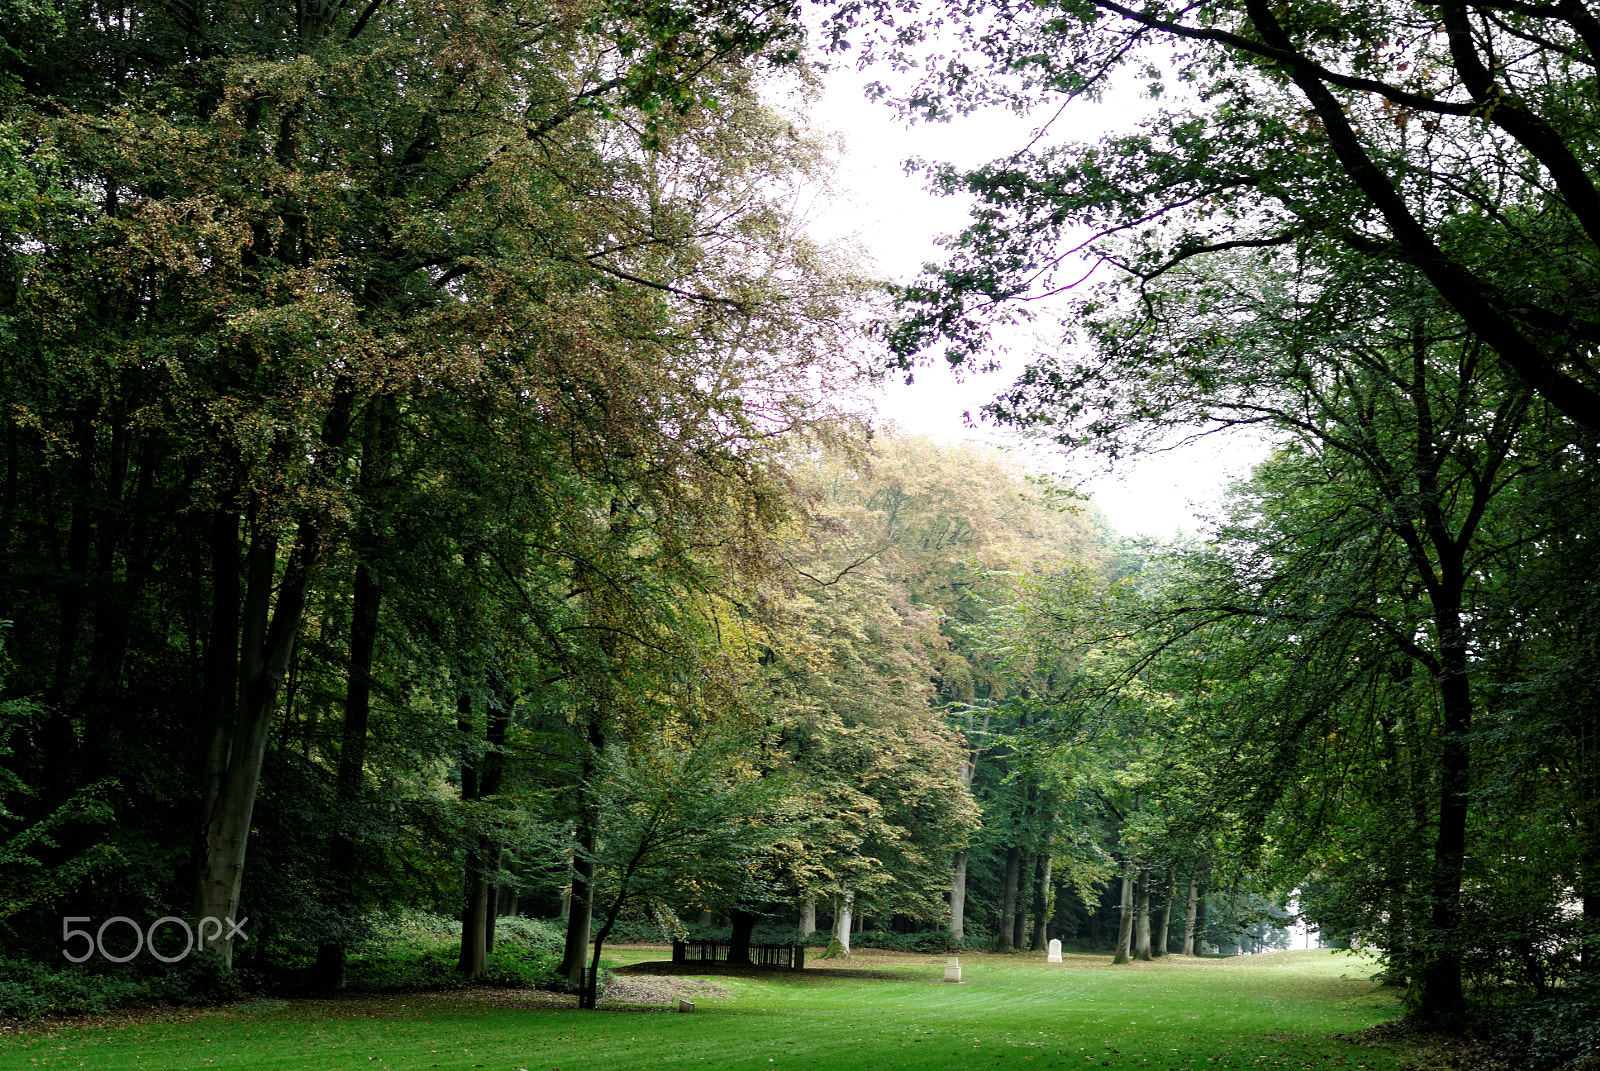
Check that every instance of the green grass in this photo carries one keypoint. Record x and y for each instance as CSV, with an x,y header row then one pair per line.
x,y
883,1011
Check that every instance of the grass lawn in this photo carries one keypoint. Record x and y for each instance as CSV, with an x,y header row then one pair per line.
x,y
882,1011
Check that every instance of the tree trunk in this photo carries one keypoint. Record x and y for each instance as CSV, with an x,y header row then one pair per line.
x,y
266,648
841,919
1189,919
1041,901
1442,999
580,909
366,596
1125,923
264,666
1161,920
744,922
1200,920
808,916
1141,915
1019,922
1588,766
958,898
580,913
377,451
221,672
473,959
1005,941
958,883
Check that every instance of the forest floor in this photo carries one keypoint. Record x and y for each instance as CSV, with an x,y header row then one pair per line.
x,y
1282,1011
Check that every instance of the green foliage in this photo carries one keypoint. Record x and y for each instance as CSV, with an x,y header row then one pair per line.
x,y
33,990
1560,1031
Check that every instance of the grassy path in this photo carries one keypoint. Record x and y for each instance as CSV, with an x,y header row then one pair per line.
x,y
882,1012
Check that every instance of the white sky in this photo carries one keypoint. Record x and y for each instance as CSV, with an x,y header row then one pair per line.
x,y
896,223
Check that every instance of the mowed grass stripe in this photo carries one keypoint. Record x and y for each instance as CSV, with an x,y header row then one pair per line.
x,y
1268,1013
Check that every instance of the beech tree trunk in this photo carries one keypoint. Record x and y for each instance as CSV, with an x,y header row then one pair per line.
x,y
269,628
1041,902
580,911
1189,918
1141,915
841,919
1442,997
1005,940
1019,923
1125,923
1161,920
744,923
958,898
808,916
1588,766
1200,920
365,600
580,914
958,884
481,778
267,649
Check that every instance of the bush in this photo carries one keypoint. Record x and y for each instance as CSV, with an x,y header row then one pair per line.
x,y
1561,1031
30,990
413,951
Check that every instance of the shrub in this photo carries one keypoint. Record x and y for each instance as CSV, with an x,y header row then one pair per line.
x,y
1560,1031
414,950
30,990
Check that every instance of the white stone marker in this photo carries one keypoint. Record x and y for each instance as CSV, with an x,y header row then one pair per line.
x,y
686,1005
1055,950
952,969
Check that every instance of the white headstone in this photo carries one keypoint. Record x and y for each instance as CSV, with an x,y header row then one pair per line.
x,y
952,969
686,1005
1055,950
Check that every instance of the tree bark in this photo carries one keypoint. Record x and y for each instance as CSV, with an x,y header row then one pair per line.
x,y
1019,922
958,884
1004,940
1041,902
841,919
221,671
958,898
1189,919
1141,915
808,916
1125,923
265,665
266,648
580,913
483,860
366,597
1442,998
1161,920
1588,766
1200,920
744,923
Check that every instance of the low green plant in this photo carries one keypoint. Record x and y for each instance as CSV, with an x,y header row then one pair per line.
x,y
1561,1030
31,990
